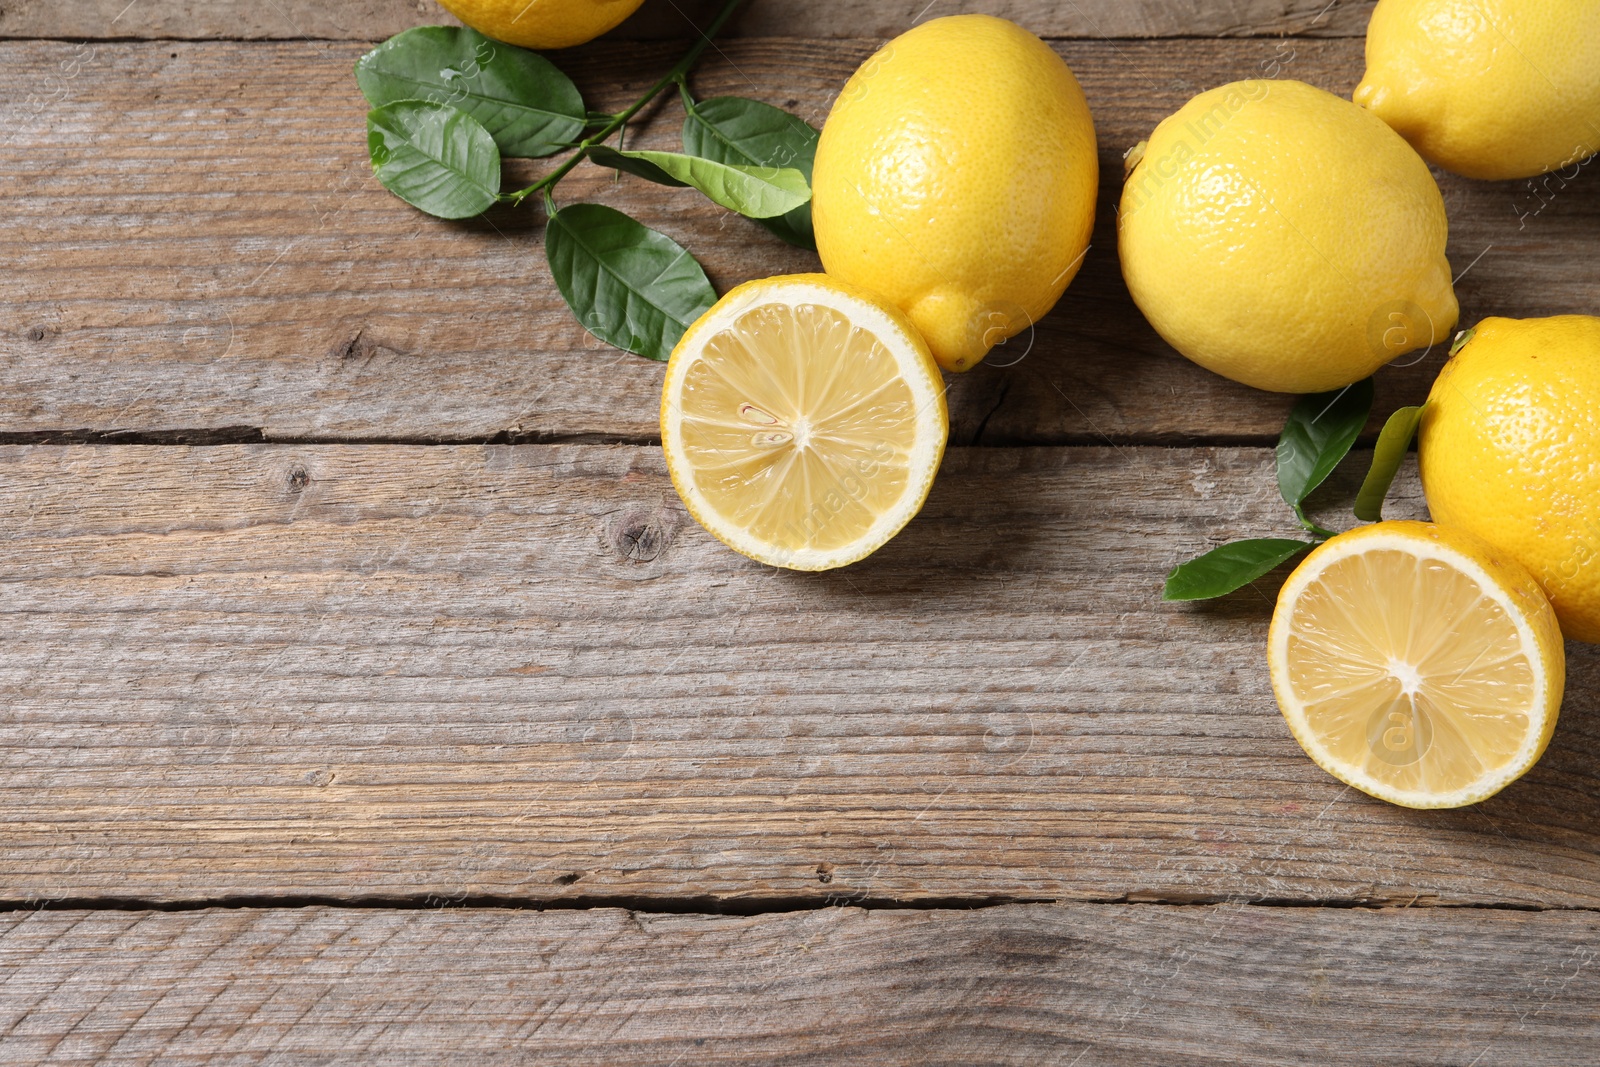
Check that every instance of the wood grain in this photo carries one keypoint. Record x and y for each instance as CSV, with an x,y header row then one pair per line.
x,y
482,674
192,245
521,672
370,20
1092,986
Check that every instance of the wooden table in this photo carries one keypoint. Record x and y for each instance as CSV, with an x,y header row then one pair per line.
x,y
369,697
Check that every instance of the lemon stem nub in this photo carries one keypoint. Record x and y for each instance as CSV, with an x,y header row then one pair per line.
x,y
1133,157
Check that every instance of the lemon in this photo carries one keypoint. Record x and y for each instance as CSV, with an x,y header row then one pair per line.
x,y
1488,88
1285,238
803,420
1510,450
956,175
1417,664
541,23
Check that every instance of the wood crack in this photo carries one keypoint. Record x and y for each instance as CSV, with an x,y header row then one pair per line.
x,y
756,906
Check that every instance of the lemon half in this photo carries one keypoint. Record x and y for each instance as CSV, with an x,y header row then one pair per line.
x,y
1417,664
803,420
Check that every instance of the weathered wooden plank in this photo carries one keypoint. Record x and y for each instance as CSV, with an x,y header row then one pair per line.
x,y
190,238
367,20
384,671
1092,985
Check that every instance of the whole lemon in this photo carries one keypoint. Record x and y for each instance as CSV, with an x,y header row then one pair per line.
x,y
1510,451
541,23
956,176
1285,238
1488,88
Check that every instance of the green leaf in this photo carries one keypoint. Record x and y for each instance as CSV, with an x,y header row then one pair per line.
x,y
530,107
754,192
732,129
435,158
1222,570
634,163
627,284
1393,443
1319,433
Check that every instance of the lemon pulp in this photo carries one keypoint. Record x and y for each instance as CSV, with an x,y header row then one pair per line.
x,y
803,423
1413,673
799,426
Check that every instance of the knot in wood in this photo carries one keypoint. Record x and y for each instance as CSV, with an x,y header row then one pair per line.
x,y
640,536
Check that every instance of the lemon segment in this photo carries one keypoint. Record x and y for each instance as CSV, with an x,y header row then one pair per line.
x,y
1416,665
803,421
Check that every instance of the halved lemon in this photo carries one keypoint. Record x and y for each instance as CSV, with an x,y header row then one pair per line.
x,y
1417,664
803,421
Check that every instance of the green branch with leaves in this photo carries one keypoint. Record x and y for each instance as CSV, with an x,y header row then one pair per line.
x,y
449,105
1318,435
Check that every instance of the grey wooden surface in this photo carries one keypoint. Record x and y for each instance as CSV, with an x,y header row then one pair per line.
x,y
195,247
376,671
372,681
367,20
1083,985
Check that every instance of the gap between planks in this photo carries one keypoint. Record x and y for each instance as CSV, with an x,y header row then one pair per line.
x,y
252,435
749,907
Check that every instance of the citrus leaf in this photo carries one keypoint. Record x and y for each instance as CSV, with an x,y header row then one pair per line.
x,y
754,192
1393,443
633,163
1224,569
528,106
733,129
435,158
1319,433
628,285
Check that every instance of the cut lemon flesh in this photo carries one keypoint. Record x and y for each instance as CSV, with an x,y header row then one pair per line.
x,y
803,421
1416,664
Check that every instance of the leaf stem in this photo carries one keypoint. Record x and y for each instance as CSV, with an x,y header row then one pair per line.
x,y
674,76
1312,528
